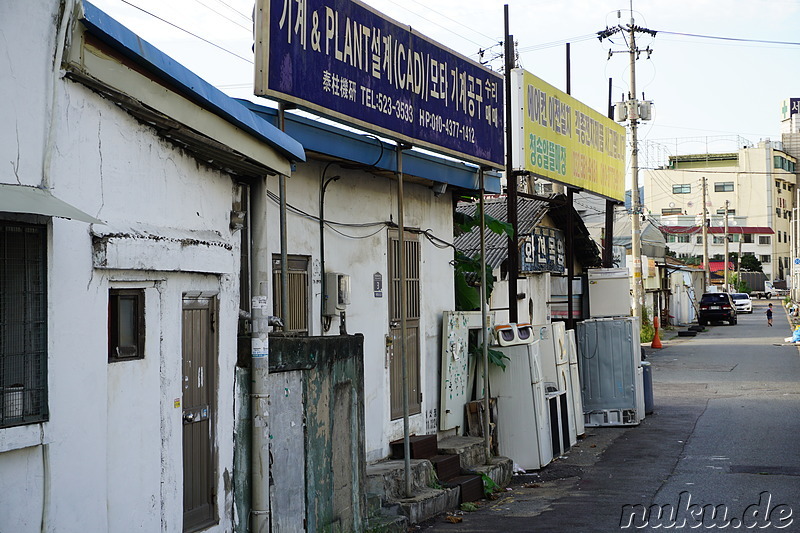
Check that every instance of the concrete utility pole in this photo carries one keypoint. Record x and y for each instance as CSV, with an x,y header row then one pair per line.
x,y
706,269
634,113
727,202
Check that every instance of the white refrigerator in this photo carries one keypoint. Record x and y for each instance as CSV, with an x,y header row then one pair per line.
x,y
522,420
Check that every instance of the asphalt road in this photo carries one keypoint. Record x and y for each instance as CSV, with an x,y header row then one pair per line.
x,y
721,450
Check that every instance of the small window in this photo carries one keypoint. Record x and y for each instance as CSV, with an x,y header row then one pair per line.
x,y
699,239
747,238
723,186
719,239
765,258
672,211
298,286
684,238
683,188
125,324
764,239
721,211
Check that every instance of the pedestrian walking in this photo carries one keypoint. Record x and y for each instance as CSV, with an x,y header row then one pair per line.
x,y
769,315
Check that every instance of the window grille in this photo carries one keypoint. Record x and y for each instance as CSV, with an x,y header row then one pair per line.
x,y
23,323
297,321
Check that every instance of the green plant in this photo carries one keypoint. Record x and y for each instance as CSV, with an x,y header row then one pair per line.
x,y
495,356
489,486
468,269
647,331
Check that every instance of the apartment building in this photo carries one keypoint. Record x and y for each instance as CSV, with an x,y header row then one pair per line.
x,y
755,189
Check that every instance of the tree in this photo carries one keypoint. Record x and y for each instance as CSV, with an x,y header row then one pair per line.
x,y
468,269
751,264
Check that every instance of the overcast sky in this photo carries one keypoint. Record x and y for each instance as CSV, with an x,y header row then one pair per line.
x,y
706,92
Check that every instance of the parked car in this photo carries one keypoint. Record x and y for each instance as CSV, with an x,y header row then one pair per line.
x,y
716,307
742,302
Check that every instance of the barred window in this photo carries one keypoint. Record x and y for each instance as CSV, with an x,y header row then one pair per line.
x,y
23,323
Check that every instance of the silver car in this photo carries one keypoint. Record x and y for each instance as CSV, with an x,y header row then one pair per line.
x,y
742,302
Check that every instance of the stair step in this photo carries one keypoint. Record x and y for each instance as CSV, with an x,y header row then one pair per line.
x,y
500,470
446,466
387,524
421,447
471,450
428,503
388,478
471,487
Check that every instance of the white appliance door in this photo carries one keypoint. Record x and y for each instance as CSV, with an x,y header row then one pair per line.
x,y
565,384
517,430
560,342
577,401
572,347
547,352
541,410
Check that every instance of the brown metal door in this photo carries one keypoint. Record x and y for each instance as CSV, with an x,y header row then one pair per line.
x,y
412,262
199,358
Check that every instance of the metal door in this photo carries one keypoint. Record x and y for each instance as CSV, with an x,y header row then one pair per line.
x,y
412,261
199,359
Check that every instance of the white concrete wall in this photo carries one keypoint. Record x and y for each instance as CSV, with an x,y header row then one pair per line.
x,y
359,197
110,456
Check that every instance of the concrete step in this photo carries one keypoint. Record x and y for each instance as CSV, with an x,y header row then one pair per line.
x,y
471,450
428,503
387,478
500,470
430,498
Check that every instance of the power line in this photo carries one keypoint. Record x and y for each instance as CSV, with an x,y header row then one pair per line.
x,y
736,39
224,16
165,21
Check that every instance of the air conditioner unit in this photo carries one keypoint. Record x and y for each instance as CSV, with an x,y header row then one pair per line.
x,y
337,293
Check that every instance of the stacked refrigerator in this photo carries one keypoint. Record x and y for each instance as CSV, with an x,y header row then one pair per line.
x,y
575,383
555,373
523,421
610,370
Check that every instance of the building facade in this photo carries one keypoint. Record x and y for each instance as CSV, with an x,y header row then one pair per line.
x,y
752,192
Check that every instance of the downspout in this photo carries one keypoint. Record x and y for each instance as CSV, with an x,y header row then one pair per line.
x,y
259,358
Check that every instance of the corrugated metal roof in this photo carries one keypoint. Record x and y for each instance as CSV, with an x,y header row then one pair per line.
x,y
530,214
114,34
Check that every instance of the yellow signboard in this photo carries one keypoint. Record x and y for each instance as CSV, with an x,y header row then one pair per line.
x,y
563,140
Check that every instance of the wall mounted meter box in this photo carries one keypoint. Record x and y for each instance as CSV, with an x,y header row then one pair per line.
x,y
337,293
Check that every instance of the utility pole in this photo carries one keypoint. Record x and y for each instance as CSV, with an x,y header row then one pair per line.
x,y
706,269
726,246
636,110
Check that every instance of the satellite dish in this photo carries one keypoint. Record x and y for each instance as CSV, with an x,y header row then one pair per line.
x,y
689,204
672,204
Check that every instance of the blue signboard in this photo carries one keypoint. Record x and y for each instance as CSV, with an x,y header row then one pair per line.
x,y
543,251
342,59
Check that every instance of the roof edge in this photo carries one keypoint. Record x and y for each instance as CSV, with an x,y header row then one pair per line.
x,y
192,86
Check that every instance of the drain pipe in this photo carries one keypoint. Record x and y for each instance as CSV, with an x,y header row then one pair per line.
x,y
259,358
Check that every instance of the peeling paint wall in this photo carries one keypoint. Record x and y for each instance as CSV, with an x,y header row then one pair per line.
x,y
110,456
332,409
359,197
